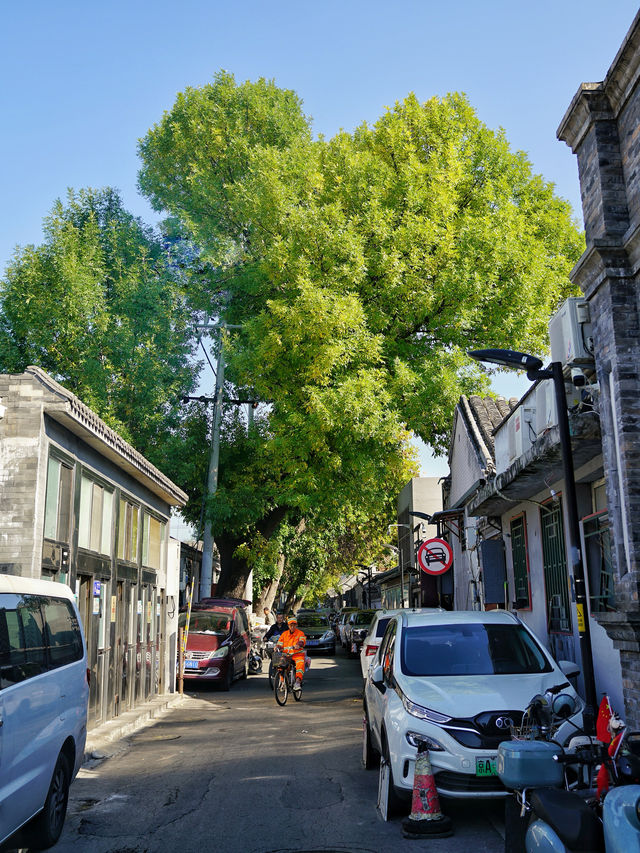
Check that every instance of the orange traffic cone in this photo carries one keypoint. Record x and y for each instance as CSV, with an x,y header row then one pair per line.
x,y
426,820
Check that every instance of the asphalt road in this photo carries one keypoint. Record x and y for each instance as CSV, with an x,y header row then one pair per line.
x,y
235,773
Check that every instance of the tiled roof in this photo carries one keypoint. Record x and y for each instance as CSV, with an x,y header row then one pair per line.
x,y
488,413
96,429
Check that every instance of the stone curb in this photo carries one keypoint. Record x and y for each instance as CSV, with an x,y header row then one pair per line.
x,y
98,739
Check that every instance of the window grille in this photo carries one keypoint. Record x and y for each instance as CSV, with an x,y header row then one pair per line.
x,y
520,563
556,578
597,543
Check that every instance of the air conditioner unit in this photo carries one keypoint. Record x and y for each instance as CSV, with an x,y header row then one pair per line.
x,y
501,444
546,411
522,433
570,333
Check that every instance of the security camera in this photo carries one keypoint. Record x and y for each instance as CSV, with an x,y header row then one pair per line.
x,y
577,377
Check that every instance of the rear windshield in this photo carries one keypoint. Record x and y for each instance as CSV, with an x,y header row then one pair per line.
x,y
206,622
365,617
382,624
312,620
471,650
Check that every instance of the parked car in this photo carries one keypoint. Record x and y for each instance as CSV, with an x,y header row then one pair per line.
x,y
456,681
341,624
218,641
317,630
356,628
373,637
44,694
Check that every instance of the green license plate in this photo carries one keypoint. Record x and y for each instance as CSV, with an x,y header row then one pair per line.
x,y
486,767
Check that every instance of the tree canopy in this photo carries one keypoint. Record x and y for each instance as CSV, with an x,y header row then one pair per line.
x,y
101,306
361,269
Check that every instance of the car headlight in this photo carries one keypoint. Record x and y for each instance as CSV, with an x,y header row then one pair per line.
x,y
423,713
415,739
328,635
222,652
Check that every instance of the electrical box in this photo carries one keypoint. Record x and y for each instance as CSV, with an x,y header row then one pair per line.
x,y
570,333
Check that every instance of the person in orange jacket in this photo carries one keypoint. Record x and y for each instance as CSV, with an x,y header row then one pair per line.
x,y
292,641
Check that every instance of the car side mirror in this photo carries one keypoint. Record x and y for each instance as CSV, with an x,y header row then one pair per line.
x,y
569,668
377,678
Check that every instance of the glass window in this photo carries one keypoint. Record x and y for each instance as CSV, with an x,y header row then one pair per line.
x,y
57,510
94,524
206,622
22,647
312,620
471,649
62,632
128,531
152,541
382,624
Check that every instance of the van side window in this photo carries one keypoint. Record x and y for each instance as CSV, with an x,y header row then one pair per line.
x,y
22,647
62,633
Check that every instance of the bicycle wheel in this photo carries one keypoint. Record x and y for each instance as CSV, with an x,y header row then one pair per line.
x,y
280,687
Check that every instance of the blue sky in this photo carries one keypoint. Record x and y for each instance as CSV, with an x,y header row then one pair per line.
x,y
82,81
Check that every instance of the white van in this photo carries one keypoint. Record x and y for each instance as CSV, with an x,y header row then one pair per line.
x,y
44,693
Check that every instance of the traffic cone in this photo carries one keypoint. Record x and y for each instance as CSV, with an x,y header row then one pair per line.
x,y
426,819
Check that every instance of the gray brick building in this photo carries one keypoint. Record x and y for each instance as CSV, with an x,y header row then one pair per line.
x,y
81,506
602,127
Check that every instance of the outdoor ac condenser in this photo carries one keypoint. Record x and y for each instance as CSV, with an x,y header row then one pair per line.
x,y
570,333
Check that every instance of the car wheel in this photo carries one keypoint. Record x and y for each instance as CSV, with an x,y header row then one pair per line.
x,y
395,805
370,757
45,830
228,678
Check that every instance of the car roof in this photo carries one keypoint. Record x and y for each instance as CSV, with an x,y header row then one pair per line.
x,y
457,617
34,586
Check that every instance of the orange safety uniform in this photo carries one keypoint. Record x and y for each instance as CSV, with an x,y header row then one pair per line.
x,y
293,643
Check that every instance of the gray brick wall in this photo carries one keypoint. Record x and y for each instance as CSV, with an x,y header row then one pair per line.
x,y
602,126
20,476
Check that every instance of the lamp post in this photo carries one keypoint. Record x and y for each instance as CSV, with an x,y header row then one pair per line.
x,y
534,369
367,573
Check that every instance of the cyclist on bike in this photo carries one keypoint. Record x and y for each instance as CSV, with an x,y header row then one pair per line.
x,y
277,629
292,642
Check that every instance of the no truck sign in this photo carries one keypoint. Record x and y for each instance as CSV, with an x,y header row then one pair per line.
x,y
435,556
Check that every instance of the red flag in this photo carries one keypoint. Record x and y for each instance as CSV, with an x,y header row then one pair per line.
x,y
602,780
602,723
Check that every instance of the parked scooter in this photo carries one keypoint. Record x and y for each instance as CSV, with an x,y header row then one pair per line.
x,y
254,658
560,809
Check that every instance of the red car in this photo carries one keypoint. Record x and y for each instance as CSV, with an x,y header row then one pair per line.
x,y
218,641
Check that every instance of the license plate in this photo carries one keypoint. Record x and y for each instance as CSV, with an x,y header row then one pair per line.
x,y
191,664
486,767
312,642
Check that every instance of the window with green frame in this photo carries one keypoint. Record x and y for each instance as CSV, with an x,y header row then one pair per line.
x,y
520,563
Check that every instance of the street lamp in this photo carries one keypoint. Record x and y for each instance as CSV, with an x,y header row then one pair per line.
x,y
367,573
533,366
400,559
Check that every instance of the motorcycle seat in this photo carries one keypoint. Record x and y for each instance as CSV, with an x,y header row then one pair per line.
x,y
570,817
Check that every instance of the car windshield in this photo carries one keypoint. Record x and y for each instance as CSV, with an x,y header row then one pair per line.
x,y
365,617
312,620
470,649
206,622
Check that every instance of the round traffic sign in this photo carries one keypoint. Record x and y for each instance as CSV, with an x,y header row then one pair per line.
x,y
435,556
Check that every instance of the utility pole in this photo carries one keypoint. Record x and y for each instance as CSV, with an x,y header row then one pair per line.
x,y
206,573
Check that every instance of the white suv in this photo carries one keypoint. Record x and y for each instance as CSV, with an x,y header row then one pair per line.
x,y
44,691
456,681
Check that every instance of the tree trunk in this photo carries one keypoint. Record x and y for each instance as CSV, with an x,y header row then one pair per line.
x,y
268,594
234,572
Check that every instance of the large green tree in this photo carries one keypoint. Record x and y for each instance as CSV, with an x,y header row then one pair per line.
x,y
361,269
101,306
